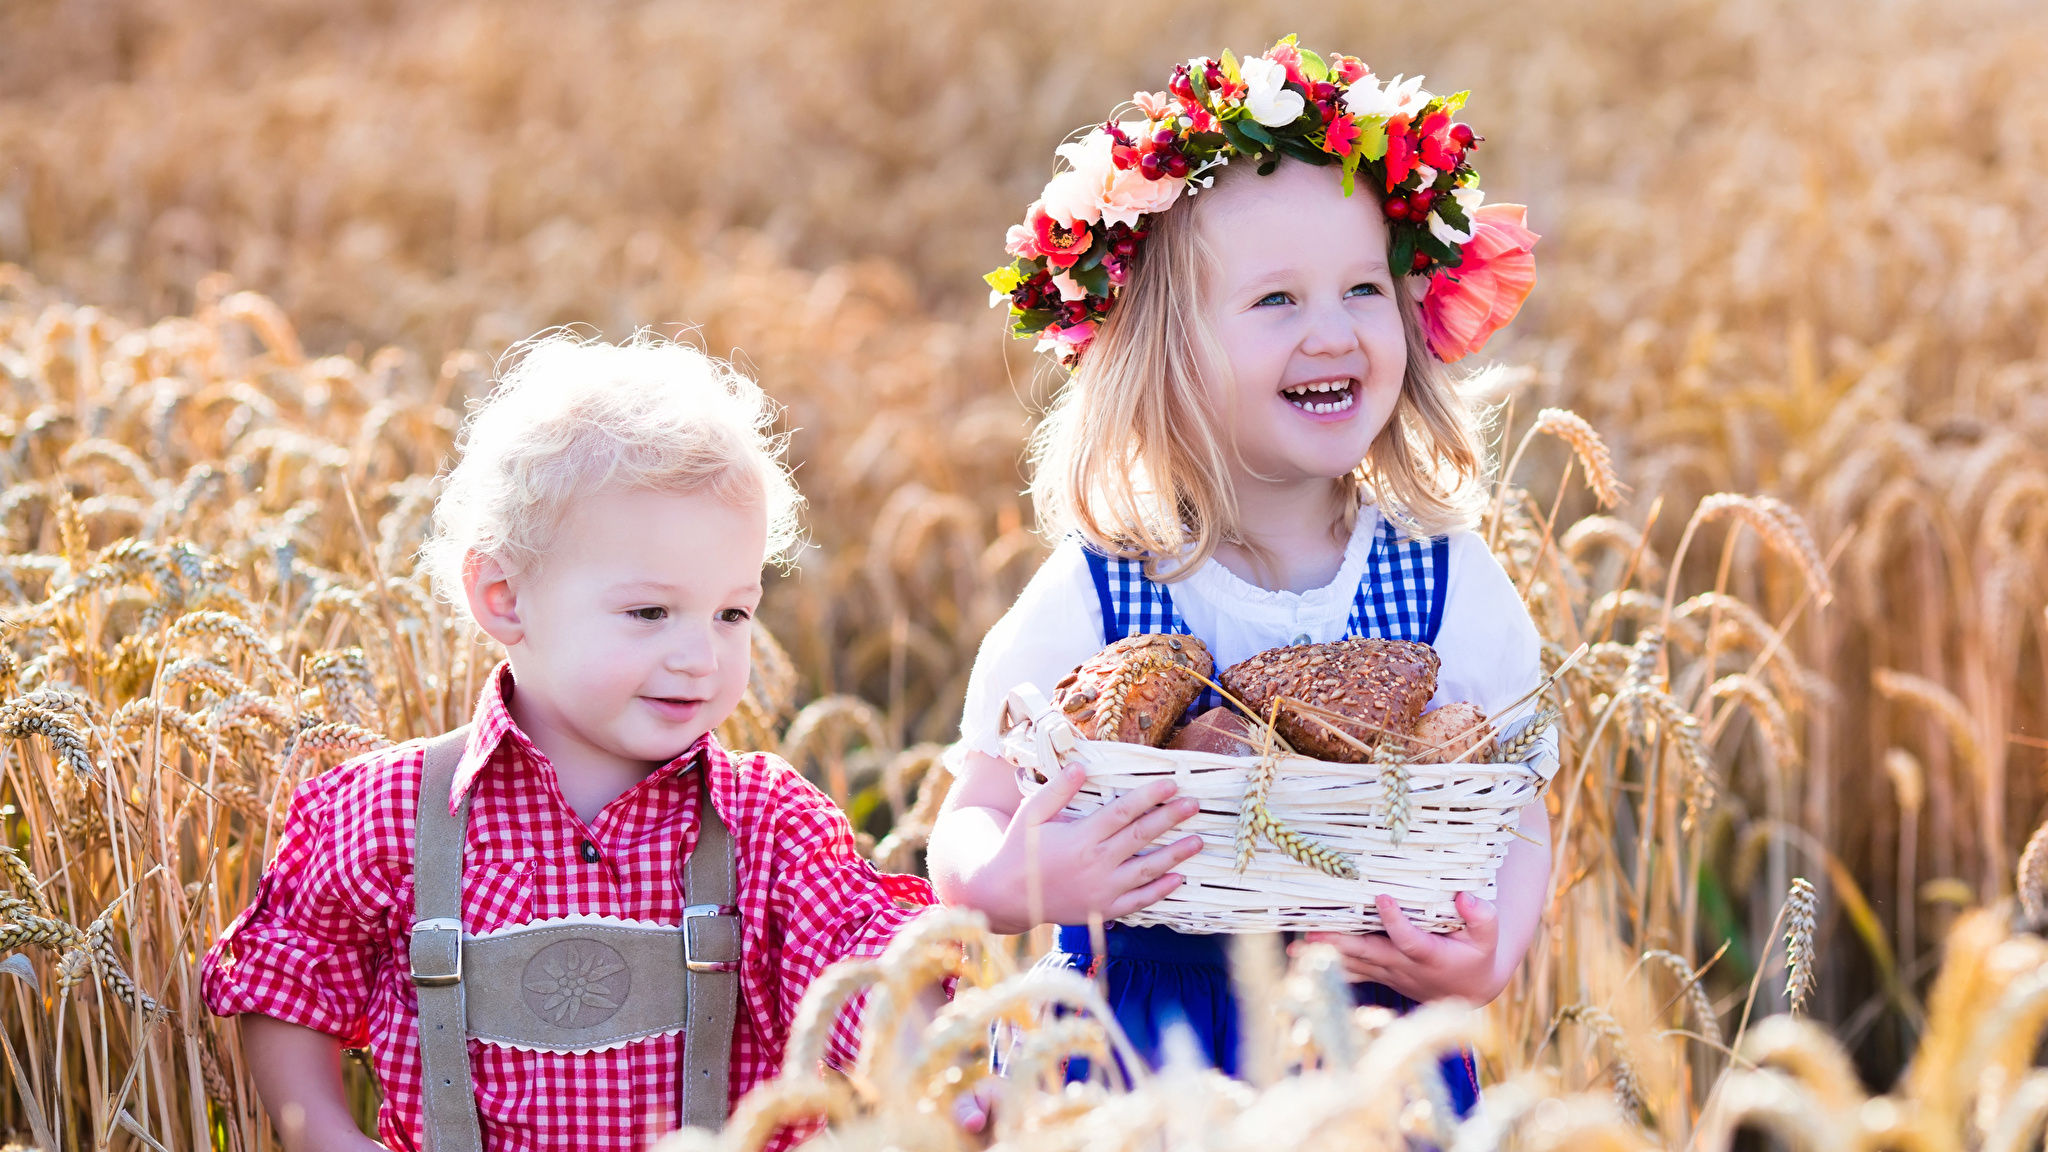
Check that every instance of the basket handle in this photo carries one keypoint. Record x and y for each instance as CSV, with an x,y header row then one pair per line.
x,y
1050,729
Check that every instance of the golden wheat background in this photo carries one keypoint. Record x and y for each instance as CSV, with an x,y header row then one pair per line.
x,y
252,263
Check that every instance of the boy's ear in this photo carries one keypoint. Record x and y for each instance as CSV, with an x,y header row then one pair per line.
x,y
492,600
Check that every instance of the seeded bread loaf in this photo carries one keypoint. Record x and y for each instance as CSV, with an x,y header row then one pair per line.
x,y
1219,730
1135,690
1366,687
1457,727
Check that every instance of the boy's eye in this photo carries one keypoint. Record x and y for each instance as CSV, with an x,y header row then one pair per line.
x,y
649,613
1272,298
734,615
1364,290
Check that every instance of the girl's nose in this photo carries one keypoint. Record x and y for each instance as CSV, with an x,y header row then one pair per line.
x,y
1330,332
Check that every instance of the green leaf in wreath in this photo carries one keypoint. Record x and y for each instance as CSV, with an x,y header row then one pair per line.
x,y
1404,250
1312,66
1372,137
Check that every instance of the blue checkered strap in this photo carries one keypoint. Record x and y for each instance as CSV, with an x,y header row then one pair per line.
x,y
1135,605
1402,594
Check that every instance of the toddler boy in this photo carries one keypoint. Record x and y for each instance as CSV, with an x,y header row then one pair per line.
x,y
607,523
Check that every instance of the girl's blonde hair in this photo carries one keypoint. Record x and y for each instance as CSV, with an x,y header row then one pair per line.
x,y
573,416
1133,455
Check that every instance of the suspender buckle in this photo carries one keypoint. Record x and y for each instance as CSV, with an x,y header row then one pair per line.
x,y
711,938
435,952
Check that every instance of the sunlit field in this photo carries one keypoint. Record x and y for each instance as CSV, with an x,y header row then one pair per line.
x,y
1792,282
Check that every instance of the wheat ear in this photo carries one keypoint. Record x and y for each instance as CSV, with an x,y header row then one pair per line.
x,y
1594,457
1394,781
2032,877
1628,1092
1696,999
1802,906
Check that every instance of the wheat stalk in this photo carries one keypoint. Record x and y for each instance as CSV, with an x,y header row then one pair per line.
x,y
1954,717
1628,1091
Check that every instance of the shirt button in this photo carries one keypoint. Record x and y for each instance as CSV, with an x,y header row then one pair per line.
x,y
1301,639
589,852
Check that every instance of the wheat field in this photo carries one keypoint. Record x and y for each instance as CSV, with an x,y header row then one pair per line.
x,y
1771,442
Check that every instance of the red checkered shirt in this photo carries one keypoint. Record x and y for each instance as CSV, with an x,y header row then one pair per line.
x,y
324,943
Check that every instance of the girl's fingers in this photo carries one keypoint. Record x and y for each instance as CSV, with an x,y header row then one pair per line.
x,y
1151,826
1144,897
1370,947
1058,792
1119,813
1141,870
1482,921
1413,942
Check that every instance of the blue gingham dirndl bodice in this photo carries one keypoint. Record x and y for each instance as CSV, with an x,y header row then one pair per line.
x,y
1156,977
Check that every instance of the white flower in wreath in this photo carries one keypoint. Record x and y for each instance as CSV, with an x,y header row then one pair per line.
x,y
1401,97
1444,232
1266,94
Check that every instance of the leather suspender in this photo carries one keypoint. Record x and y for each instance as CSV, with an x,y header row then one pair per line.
x,y
711,961
436,948
710,945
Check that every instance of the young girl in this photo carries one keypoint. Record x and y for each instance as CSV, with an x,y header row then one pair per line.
x,y
1257,287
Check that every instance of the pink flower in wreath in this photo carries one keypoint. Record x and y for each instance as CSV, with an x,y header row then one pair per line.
x,y
1021,240
1289,57
1127,195
1060,243
1069,341
1155,105
1342,136
1471,302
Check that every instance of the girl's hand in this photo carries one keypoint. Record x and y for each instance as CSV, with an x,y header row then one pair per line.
x,y
1086,866
1422,965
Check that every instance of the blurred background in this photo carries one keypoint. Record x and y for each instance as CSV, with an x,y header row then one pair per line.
x,y
1789,248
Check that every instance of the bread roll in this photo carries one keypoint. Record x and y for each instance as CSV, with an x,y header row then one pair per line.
x,y
1379,686
1135,690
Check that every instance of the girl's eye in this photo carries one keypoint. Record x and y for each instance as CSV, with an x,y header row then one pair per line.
x,y
734,615
1364,290
649,614
1272,298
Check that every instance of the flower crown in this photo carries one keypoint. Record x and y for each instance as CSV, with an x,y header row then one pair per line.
x,y
1078,238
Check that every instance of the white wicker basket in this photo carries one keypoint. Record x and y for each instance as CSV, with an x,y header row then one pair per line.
x,y
1458,833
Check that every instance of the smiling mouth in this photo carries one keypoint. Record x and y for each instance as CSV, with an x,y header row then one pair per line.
x,y
1322,397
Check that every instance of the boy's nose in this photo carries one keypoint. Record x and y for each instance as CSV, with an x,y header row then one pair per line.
x,y
693,654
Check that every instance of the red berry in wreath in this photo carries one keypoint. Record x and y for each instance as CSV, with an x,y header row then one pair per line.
x,y
1420,262
1418,204
1149,165
1397,208
1463,134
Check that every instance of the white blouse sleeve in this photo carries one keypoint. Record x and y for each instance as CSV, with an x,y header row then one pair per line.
x,y
1491,653
1055,624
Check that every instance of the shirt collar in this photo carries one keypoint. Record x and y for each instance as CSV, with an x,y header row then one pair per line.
x,y
491,724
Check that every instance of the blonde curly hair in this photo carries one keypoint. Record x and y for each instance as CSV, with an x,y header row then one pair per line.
x,y
575,415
